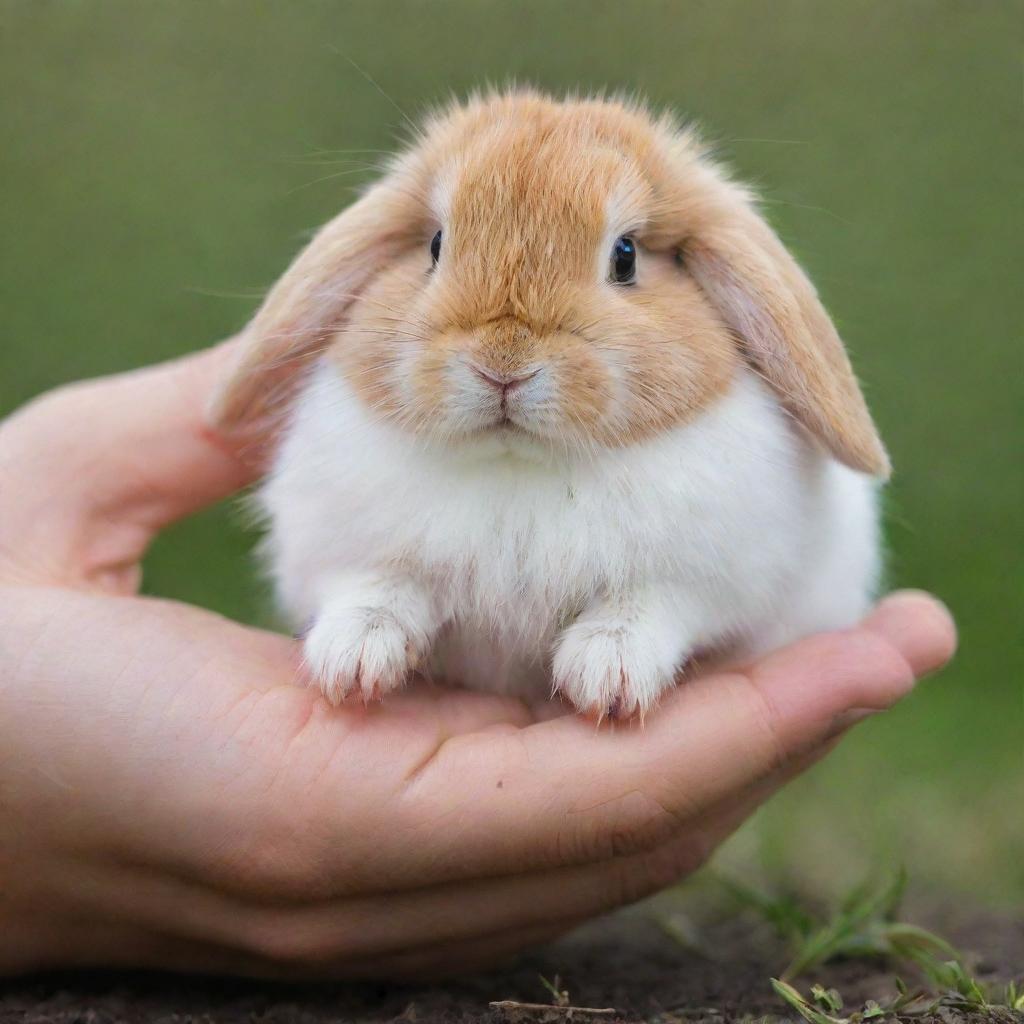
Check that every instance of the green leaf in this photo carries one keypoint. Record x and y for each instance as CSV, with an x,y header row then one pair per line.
x,y
857,929
809,1013
785,915
906,937
828,999
1015,996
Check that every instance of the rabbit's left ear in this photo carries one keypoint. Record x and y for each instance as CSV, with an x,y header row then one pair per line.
x,y
307,307
771,306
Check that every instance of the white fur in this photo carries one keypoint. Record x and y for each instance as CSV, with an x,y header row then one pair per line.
x,y
521,566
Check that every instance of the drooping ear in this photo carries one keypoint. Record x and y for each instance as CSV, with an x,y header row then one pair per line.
x,y
306,307
772,307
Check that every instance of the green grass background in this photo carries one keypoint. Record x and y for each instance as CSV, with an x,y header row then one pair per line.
x,y
161,162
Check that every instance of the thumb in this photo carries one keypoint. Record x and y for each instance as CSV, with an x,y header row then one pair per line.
x,y
93,470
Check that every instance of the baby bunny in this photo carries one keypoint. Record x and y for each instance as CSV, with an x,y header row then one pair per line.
x,y
556,411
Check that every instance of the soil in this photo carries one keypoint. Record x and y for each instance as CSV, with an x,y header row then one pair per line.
x,y
625,963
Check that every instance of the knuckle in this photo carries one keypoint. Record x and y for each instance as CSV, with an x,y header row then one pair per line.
x,y
860,668
883,673
768,727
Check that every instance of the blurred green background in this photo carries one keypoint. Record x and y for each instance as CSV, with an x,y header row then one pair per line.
x,y
162,161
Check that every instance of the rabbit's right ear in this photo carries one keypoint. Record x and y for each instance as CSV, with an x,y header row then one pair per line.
x,y
306,307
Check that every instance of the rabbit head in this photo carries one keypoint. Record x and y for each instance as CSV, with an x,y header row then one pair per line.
x,y
569,273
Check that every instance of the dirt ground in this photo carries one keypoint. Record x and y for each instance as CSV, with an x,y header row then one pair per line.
x,y
625,963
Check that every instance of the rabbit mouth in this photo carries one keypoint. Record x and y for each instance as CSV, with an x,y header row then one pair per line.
x,y
506,425
509,430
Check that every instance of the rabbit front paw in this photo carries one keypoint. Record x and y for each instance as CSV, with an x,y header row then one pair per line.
x,y
369,653
614,668
359,647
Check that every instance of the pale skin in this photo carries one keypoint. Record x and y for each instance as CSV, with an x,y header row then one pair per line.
x,y
171,795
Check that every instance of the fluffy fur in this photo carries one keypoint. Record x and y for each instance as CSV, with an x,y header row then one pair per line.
x,y
521,474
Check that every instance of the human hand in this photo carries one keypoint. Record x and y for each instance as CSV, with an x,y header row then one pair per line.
x,y
170,797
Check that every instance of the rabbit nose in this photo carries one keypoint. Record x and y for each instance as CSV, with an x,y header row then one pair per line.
x,y
503,382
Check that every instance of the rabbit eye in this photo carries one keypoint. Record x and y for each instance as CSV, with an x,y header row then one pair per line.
x,y
435,247
624,260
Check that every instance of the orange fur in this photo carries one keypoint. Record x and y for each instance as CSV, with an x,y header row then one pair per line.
x,y
530,194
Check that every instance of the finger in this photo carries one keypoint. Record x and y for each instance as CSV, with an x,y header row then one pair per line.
x,y
68,942
361,935
65,941
563,792
386,923
453,928
94,469
433,961
454,959
394,924
921,626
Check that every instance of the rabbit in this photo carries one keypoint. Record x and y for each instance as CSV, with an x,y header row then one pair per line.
x,y
555,413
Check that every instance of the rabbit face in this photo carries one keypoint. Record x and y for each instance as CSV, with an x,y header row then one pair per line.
x,y
533,305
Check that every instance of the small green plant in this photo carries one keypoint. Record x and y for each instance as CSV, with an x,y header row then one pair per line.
x,y
952,979
863,925
1015,995
824,1005
958,991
